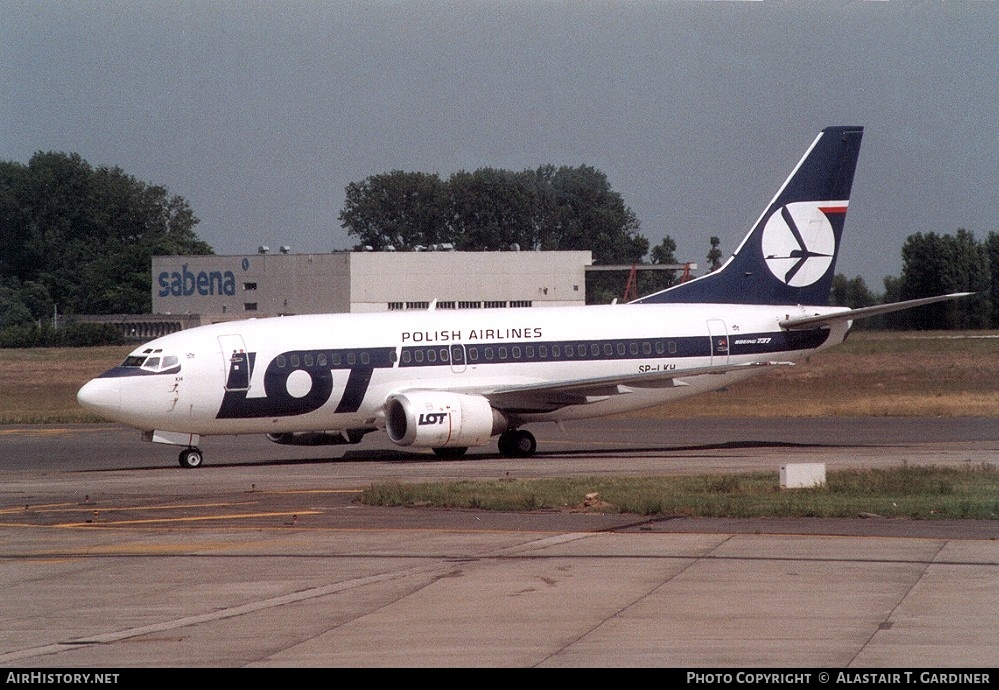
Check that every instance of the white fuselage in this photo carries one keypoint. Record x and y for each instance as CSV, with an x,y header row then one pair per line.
x,y
335,372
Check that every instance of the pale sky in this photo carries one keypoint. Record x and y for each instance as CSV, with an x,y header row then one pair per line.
x,y
261,113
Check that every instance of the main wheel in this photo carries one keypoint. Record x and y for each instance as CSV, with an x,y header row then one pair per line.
x,y
190,458
517,443
449,453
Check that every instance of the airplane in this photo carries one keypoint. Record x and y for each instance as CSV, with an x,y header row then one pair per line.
x,y
450,380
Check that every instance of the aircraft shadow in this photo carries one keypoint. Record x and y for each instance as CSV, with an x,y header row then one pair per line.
x,y
402,457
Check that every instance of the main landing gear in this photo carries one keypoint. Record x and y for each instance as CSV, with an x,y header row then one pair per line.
x,y
190,458
517,443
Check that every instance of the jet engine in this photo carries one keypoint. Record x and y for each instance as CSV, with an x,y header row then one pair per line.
x,y
433,419
319,438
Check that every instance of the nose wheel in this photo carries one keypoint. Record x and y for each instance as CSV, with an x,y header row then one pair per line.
x,y
190,458
517,443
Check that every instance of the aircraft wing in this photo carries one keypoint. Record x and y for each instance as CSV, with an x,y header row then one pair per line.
x,y
864,312
545,397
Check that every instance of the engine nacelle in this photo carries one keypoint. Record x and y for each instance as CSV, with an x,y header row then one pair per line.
x,y
319,438
432,419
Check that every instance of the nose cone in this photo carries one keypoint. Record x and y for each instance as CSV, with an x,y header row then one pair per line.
x,y
102,396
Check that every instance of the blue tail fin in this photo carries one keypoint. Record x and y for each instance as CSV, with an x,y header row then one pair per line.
x,y
789,257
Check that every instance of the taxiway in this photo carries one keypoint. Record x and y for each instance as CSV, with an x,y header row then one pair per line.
x,y
114,557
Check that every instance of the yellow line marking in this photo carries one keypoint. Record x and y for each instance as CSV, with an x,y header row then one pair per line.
x,y
59,556
28,431
42,507
99,508
198,518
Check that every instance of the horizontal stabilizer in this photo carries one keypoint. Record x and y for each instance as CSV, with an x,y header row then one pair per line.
x,y
800,322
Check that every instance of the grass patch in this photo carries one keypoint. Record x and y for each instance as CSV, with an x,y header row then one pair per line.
x,y
39,385
871,374
906,492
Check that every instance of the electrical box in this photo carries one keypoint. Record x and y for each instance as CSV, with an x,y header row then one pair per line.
x,y
803,475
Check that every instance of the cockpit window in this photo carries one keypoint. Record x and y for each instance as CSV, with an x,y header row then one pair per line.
x,y
155,363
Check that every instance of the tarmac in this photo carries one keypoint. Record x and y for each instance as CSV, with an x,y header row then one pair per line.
x,y
113,558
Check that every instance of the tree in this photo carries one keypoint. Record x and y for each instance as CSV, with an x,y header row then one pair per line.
x,y
399,210
663,254
895,320
580,212
854,293
492,210
13,312
992,251
935,264
583,212
851,293
551,208
83,238
714,255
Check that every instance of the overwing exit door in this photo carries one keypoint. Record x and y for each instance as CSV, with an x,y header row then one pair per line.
x,y
458,358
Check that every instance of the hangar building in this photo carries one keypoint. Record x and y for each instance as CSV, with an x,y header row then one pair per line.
x,y
221,288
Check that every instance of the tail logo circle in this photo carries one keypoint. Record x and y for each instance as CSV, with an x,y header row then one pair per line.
x,y
798,243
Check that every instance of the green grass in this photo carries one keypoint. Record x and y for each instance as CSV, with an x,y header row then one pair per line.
x,y
38,386
905,492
